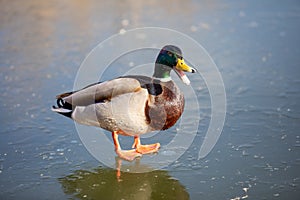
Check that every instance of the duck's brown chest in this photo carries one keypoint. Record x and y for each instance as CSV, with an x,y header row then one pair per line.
x,y
163,111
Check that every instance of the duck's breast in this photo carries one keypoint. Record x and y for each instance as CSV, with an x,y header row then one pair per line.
x,y
164,110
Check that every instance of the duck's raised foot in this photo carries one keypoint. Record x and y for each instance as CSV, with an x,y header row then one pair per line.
x,y
128,155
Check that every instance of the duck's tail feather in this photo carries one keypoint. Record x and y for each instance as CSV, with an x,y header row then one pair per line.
x,y
63,108
60,96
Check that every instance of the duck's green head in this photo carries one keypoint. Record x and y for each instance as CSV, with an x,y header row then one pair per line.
x,y
170,57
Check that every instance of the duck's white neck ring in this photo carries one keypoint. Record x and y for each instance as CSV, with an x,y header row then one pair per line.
x,y
167,79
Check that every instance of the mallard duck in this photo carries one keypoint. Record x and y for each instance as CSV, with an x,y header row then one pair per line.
x,y
131,105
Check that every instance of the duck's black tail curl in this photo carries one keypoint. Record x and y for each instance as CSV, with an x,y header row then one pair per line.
x,y
63,108
63,104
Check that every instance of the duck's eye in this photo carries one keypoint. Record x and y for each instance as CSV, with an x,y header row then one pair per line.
x,y
170,54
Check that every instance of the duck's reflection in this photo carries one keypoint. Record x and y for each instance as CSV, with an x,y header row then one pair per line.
x,y
106,183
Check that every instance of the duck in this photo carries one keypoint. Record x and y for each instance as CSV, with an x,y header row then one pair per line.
x,y
132,105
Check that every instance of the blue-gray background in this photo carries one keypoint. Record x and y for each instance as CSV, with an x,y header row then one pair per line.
x,y
256,47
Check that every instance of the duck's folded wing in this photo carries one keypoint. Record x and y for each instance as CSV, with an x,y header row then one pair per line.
x,y
101,92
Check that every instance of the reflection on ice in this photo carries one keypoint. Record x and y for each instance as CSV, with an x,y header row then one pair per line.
x,y
107,183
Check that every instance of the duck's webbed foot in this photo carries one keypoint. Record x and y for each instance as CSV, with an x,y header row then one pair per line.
x,y
129,155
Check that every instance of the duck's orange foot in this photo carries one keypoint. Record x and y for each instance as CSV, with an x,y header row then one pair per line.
x,y
128,155
149,148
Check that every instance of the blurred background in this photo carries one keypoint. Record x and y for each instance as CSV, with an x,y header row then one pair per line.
x,y
255,45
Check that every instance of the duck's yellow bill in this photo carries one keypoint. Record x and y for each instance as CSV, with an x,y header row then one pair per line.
x,y
182,67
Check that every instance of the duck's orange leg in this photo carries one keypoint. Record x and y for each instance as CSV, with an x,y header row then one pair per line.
x,y
129,155
144,149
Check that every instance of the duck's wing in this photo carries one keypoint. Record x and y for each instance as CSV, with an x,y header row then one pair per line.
x,y
101,92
